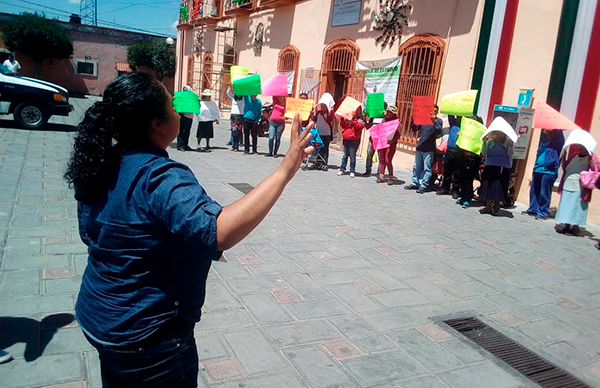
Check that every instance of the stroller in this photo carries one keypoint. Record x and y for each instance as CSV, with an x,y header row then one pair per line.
x,y
315,158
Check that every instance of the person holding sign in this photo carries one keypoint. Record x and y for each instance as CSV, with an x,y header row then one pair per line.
x,y
351,134
470,160
424,151
185,125
386,155
152,234
252,115
276,125
209,113
498,151
545,172
323,120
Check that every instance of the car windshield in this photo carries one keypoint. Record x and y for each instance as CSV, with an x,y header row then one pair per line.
x,y
4,70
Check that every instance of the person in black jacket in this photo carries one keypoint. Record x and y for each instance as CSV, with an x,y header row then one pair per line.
x,y
424,152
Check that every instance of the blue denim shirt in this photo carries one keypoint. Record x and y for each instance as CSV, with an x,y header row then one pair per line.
x,y
151,239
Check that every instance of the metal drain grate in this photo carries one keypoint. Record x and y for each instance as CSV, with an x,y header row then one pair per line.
x,y
520,358
243,187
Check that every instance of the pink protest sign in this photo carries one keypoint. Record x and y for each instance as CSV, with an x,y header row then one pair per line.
x,y
380,132
347,108
275,86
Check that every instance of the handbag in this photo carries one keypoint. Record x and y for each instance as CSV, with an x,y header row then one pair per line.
x,y
587,179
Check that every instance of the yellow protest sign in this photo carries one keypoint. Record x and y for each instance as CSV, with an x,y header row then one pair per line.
x,y
469,137
238,72
459,104
298,105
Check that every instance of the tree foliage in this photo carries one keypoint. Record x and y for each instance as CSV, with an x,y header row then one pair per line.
x,y
156,54
37,37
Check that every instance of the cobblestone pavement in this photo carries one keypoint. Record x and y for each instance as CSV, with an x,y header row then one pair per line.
x,y
343,285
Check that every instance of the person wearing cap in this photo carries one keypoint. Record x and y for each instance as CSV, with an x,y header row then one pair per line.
x,y
386,155
209,113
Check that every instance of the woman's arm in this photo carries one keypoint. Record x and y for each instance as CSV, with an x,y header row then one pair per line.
x,y
237,220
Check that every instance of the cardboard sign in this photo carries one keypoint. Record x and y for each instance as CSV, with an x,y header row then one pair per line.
x,y
247,86
421,109
275,86
186,102
380,132
238,72
375,106
501,125
298,105
459,104
546,117
347,108
579,136
469,137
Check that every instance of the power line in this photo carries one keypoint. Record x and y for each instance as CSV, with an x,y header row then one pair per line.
x,y
100,21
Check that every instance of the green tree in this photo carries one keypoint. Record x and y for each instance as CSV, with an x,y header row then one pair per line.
x,y
37,37
156,54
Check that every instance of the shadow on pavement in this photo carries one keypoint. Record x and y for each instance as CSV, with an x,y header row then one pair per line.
x,y
35,334
52,127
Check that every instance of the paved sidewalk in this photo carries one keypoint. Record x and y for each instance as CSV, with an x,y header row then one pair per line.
x,y
343,285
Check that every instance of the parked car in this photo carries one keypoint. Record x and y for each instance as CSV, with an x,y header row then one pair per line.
x,y
31,101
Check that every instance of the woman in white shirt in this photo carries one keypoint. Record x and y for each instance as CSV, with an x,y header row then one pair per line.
x,y
209,113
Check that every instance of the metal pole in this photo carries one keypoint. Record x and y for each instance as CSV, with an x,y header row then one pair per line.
x,y
96,13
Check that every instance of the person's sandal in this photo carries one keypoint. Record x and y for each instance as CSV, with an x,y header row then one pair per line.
x,y
390,181
379,179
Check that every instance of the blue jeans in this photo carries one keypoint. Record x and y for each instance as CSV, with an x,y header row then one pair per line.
x,y
541,193
422,167
275,132
171,360
350,148
235,138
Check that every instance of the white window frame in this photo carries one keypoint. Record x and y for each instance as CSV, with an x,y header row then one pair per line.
x,y
93,61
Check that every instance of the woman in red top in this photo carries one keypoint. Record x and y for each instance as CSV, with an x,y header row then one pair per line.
x,y
351,133
277,125
386,155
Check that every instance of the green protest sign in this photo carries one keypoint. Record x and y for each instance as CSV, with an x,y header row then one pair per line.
x,y
238,72
469,137
459,104
375,107
247,86
186,102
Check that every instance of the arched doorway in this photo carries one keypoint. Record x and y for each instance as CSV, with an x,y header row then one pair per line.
x,y
289,59
207,71
419,75
190,71
339,62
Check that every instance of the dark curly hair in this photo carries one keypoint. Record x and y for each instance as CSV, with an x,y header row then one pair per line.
x,y
120,121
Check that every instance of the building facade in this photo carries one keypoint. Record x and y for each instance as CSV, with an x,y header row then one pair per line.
x,y
494,46
99,56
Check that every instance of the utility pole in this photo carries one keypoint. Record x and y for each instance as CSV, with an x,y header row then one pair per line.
x,y
88,10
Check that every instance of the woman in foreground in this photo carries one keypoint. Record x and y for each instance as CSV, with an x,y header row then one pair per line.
x,y
152,233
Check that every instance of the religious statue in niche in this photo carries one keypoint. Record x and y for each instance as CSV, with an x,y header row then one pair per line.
x,y
258,38
390,21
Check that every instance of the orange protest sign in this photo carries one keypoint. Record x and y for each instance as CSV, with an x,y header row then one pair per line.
x,y
421,109
298,105
546,117
347,108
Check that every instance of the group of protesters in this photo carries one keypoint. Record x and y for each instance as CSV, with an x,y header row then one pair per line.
x,y
461,168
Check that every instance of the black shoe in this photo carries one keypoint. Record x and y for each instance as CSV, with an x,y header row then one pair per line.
x,y
181,149
367,174
443,192
188,148
421,190
540,218
526,213
228,143
246,153
411,187
269,155
455,195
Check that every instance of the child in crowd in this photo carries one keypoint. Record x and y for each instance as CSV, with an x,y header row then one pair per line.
x,y
424,152
236,133
351,134
386,155
498,151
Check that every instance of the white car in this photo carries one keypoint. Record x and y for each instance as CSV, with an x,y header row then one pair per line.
x,y
30,100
